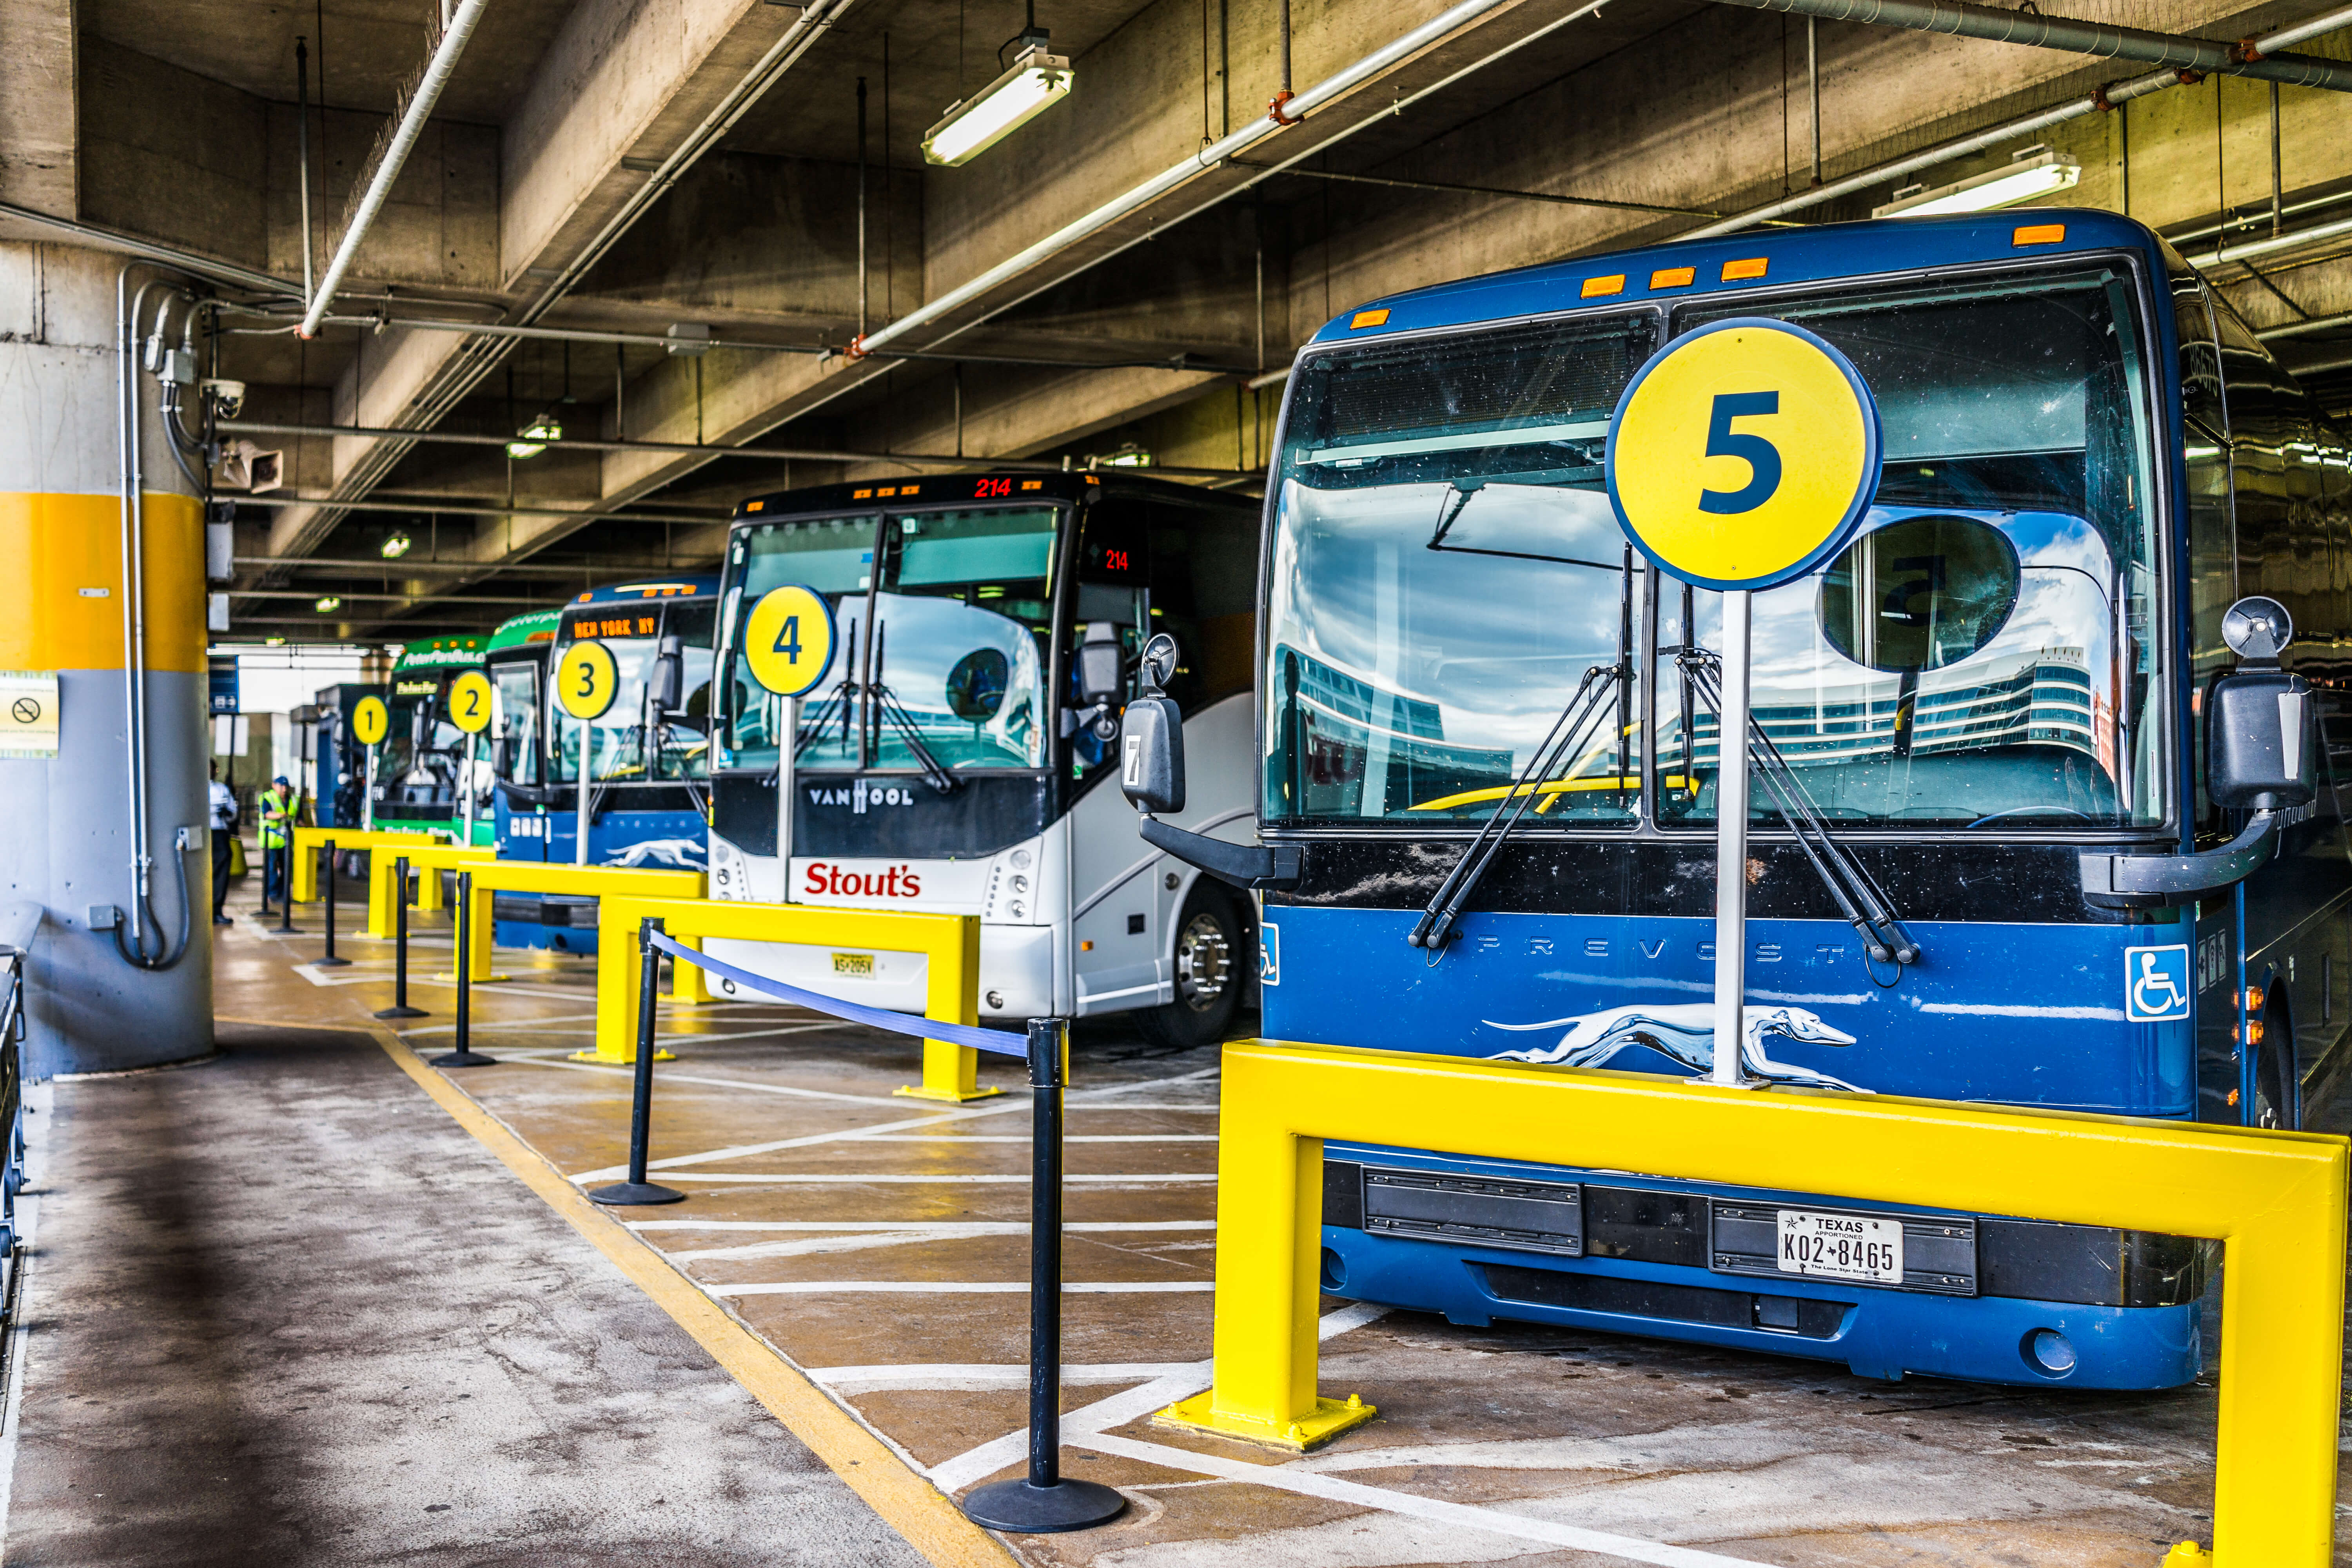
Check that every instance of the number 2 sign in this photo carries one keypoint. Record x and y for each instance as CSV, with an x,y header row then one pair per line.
x,y
1743,454
788,640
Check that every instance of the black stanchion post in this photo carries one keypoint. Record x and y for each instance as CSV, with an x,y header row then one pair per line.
x,y
637,1189
1045,1501
464,1055
331,960
399,1007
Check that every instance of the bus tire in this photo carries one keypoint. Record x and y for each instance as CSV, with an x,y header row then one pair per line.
x,y
1208,962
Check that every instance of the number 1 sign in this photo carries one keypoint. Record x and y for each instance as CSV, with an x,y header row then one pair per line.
x,y
1741,456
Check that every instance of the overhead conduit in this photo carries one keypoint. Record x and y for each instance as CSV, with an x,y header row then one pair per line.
x,y
2113,96
1956,18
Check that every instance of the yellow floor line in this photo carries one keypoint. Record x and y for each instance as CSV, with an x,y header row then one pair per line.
x,y
906,1502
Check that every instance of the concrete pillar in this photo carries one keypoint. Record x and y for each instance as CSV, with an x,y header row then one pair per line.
x,y
66,825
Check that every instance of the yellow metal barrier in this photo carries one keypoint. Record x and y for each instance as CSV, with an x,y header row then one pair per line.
x,y
951,943
2275,1200
303,873
427,861
603,883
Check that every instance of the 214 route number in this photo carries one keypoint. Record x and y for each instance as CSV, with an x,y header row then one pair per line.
x,y
1841,1246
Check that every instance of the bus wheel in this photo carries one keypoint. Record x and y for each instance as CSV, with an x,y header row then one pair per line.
x,y
2273,1107
1208,975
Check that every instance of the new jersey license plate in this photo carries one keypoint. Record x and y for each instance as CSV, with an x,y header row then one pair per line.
x,y
1841,1246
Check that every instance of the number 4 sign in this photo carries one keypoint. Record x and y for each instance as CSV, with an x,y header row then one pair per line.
x,y
788,640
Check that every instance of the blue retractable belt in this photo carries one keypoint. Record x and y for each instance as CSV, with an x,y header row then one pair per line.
x,y
872,1017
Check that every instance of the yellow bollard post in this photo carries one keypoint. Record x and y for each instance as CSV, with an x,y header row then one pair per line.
x,y
428,890
950,995
381,893
689,986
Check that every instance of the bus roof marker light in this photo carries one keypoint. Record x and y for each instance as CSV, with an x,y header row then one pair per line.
x,y
2031,173
1363,318
1036,79
1595,287
2038,234
1674,277
1744,268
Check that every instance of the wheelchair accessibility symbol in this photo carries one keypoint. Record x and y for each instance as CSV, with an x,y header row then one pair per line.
x,y
2156,983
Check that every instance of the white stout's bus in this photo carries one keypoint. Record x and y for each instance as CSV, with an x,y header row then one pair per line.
x,y
958,756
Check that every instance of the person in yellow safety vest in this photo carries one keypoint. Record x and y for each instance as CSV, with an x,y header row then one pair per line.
x,y
279,805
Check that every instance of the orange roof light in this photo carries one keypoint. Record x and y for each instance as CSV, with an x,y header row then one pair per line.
x,y
1752,266
1673,276
755,506
1596,287
2038,234
1362,319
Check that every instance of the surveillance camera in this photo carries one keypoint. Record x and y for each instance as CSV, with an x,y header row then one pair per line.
x,y
228,396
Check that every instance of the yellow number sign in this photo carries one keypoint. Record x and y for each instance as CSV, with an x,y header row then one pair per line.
x,y
371,722
587,680
1743,454
469,702
788,640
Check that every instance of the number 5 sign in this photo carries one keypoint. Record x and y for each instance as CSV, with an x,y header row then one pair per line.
x,y
1743,454
788,640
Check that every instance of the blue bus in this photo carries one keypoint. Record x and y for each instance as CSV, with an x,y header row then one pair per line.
x,y
1990,858
649,764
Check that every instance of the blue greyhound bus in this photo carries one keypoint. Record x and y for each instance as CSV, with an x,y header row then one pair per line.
x,y
648,755
2002,848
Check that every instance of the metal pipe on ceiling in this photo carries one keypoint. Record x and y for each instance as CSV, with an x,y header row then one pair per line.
x,y
1958,18
1433,31
455,601
771,454
2252,248
2112,96
409,568
411,125
454,511
2300,329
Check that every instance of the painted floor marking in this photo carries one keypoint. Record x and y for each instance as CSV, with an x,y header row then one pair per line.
x,y
959,1138
1464,1516
855,1178
953,1288
954,1378
621,1071
847,1445
1167,1386
949,1226
885,1234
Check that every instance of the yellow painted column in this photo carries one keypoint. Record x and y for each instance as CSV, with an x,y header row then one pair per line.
x,y
616,982
687,985
428,891
383,892
952,995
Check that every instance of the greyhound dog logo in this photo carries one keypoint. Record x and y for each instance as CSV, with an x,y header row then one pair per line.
x,y
686,854
1685,1033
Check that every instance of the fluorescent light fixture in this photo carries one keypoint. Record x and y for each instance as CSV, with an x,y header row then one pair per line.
x,y
394,546
273,642
1128,456
328,605
532,438
1003,106
2034,171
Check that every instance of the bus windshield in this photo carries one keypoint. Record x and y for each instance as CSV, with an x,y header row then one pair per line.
x,y
1445,566
955,665
515,726
630,744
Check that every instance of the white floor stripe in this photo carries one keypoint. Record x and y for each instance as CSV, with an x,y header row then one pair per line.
x,y
945,1226
952,1378
855,1178
845,1134
1462,1516
620,1071
950,1288
1169,1385
953,1138
891,1235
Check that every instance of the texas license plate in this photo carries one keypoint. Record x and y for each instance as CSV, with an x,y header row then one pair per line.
x,y
860,965
1841,1246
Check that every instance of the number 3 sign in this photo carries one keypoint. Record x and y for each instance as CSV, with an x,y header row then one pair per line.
x,y
587,680
1743,454
788,640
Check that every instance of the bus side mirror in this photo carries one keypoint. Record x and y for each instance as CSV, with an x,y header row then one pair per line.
x,y
2259,719
670,677
1151,738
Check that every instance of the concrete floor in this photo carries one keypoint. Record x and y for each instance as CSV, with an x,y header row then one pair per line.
x,y
878,1245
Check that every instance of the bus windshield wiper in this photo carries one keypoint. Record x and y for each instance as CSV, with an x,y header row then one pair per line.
x,y
890,710
1586,707
1858,896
